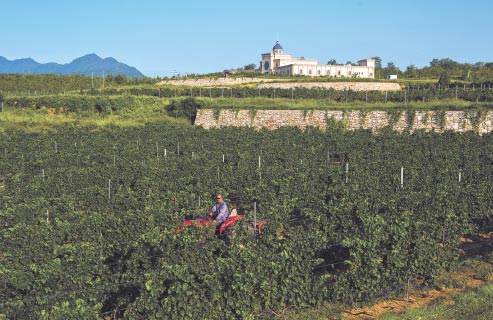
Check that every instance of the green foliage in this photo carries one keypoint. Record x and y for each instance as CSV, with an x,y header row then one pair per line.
x,y
441,119
217,113
443,81
411,116
186,108
250,66
88,218
394,115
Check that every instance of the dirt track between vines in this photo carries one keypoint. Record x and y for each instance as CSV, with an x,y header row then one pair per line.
x,y
284,84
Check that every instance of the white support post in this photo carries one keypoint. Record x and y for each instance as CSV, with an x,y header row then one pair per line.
x,y
109,188
347,170
254,218
402,177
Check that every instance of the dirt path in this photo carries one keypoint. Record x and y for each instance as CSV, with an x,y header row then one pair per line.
x,y
215,82
283,84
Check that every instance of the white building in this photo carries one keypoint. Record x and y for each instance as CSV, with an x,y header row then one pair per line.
x,y
278,62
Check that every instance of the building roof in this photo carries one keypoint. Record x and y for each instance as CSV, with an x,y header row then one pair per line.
x,y
277,46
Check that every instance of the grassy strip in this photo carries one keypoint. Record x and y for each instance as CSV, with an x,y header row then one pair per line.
x,y
48,119
469,305
326,104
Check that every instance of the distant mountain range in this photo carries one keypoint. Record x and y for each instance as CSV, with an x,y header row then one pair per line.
x,y
86,65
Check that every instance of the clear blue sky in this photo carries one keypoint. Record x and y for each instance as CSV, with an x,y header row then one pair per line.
x,y
161,37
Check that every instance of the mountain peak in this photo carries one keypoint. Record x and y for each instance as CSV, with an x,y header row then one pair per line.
x,y
91,57
86,65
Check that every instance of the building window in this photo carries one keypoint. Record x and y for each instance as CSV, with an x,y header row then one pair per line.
x,y
318,72
339,72
301,71
328,72
309,71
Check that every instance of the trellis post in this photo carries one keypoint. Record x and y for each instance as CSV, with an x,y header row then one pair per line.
x,y
402,177
347,170
254,218
109,188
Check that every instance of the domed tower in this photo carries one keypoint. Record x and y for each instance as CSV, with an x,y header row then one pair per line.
x,y
277,48
274,59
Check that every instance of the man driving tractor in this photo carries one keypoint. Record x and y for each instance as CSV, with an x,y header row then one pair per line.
x,y
219,212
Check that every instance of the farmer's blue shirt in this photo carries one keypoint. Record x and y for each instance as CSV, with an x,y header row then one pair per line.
x,y
222,211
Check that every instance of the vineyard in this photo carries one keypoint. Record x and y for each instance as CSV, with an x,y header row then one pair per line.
x,y
88,218
411,94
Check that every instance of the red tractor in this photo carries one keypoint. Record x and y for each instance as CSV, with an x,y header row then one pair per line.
x,y
227,227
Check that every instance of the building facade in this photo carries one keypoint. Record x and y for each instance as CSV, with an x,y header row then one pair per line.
x,y
278,62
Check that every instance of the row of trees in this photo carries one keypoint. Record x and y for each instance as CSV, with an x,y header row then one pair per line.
x,y
467,72
45,83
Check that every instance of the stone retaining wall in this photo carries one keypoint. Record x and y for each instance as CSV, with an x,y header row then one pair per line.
x,y
438,121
